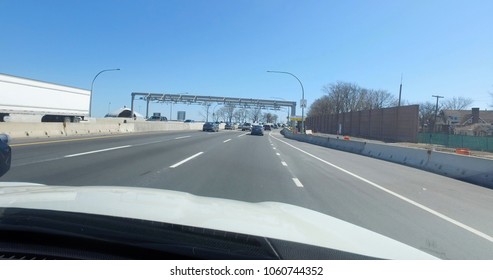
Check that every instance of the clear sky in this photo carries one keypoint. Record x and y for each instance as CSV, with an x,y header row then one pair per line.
x,y
223,48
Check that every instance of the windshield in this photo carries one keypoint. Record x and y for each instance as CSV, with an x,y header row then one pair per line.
x,y
377,114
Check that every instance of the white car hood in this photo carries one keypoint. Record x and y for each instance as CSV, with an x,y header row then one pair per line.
x,y
266,219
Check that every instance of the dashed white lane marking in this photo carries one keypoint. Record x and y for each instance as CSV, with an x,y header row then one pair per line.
x,y
274,148
284,163
98,151
185,160
226,140
242,134
412,202
297,183
278,154
182,137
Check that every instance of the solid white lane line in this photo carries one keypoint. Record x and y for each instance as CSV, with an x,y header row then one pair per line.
x,y
185,160
182,137
297,183
242,134
226,140
278,154
284,163
98,151
421,206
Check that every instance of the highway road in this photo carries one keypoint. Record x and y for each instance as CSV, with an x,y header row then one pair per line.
x,y
444,217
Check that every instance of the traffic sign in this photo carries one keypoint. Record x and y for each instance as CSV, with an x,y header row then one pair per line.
x,y
303,103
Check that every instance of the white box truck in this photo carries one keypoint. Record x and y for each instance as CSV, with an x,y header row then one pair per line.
x,y
52,102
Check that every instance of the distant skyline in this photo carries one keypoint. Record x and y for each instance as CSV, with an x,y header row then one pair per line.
x,y
224,48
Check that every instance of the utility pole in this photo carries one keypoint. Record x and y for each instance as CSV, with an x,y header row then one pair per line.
x,y
400,92
436,112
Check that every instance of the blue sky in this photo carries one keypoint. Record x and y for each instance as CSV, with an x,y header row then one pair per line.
x,y
223,48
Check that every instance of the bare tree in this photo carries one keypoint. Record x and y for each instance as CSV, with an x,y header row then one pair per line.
x,y
457,103
255,114
229,110
221,113
378,99
321,106
237,116
344,97
426,115
240,115
269,117
204,113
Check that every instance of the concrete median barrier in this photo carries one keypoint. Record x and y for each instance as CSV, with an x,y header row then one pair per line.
x,y
95,126
333,143
470,169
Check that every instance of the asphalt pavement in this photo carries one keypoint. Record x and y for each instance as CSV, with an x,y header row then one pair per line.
x,y
447,218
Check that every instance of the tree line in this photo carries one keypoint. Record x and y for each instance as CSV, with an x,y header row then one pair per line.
x,y
428,110
342,97
229,113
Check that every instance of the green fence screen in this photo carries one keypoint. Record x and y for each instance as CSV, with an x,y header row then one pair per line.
x,y
477,143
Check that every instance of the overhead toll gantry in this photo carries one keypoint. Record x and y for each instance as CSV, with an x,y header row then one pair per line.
x,y
190,99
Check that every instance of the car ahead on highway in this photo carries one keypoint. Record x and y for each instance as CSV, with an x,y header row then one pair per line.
x,y
189,121
229,126
267,127
246,126
157,119
257,130
210,126
5,154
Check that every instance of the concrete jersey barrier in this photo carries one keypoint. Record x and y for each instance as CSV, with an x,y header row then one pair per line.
x,y
473,170
100,126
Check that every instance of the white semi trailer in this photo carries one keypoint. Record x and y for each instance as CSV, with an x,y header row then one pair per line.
x,y
52,102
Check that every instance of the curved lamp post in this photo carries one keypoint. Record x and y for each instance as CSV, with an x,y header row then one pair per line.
x,y
92,85
302,103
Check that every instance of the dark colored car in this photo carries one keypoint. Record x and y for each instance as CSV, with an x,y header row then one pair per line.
x,y
5,154
229,126
267,127
257,130
157,119
246,126
210,126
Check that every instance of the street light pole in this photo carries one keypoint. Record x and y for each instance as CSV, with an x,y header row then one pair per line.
x,y
303,101
92,86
